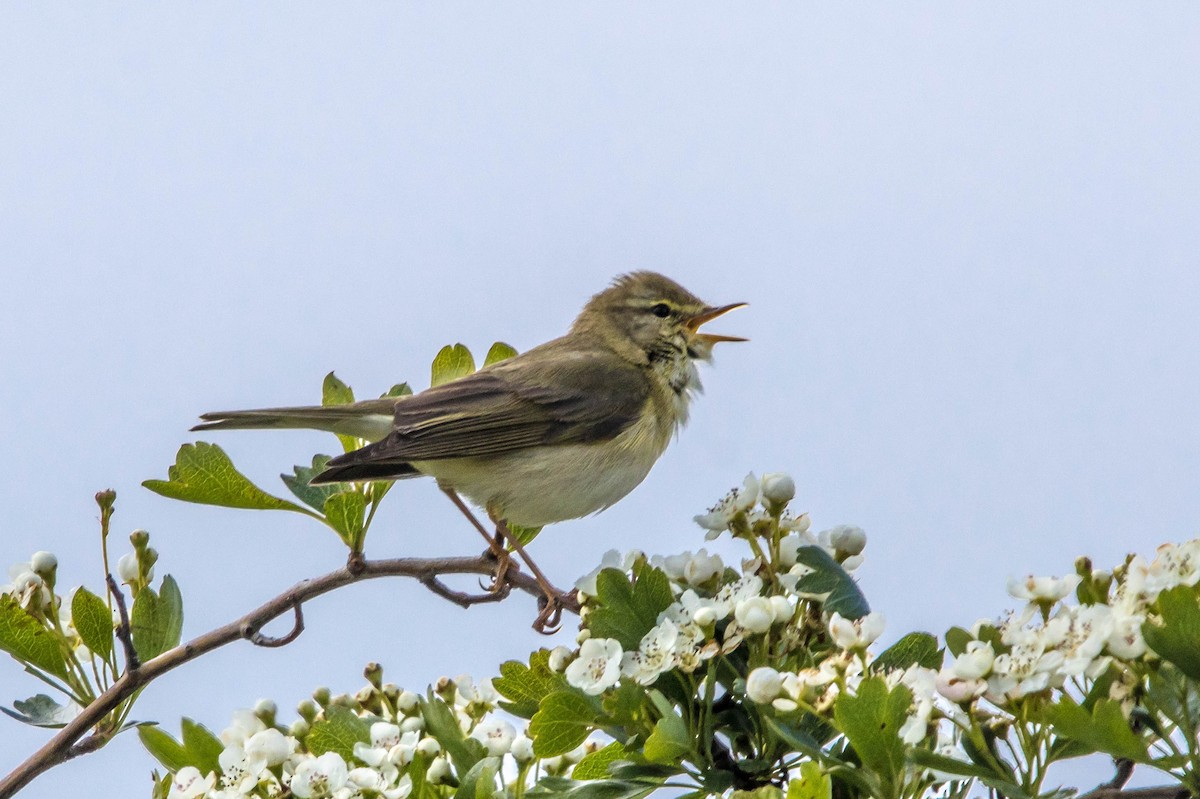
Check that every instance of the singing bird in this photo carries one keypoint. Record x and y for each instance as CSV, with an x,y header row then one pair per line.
x,y
561,431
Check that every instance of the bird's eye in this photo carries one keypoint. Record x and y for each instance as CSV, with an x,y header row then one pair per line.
x,y
661,310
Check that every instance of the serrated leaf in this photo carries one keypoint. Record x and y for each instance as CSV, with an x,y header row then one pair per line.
x,y
163,748
399,390
871,721
1177,638
1105,729
564,719
335,392
93,621
813,783
948,765
313,496
594,765
203,473
346,512
441,723
338,732
498,352
24,637
202,747
670,741
41,711
526,686
914,649
829,580
628,610
451,363
761,792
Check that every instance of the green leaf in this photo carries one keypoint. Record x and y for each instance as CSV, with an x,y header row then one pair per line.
x,y
346,512
914,649
1177,639
829,580
338,731
607,789
441,723
623,705
761,792
948,765
813,783
335,392
526,686
1170,692
480,781
165,749
24,637
562,722
40,711
399,390
203,748
499,352
93,621
157,620
300,483
957,639
594,765
871,720
1105,729
670,741
627,611
451,363
203,473
523,534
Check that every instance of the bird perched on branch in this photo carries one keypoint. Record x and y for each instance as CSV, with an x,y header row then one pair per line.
x,y
558,432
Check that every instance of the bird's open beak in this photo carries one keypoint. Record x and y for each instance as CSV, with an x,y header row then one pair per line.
x,y
707,315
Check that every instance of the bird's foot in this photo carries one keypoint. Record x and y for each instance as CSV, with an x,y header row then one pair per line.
x,y
550,610
504,562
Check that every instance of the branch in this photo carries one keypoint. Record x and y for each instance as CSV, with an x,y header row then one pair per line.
x,y
1157,792
67,743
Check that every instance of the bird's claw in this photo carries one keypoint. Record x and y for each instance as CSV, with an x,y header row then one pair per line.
x,y
550,610
500,577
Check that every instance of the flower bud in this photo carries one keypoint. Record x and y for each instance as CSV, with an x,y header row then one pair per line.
x,y
705,616
583,635
321,696
560,656
150,557
374,674
127,568
299,728
265,709
781,609
848,539
139,539
778,489
429,746
413,724
407,702
763,684
439,771
522,749
445,688
307,710
43,564
105,500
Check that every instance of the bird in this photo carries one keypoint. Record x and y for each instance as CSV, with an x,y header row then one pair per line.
x,y
558,432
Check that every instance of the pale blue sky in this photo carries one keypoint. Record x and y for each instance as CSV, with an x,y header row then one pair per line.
x,y
969,235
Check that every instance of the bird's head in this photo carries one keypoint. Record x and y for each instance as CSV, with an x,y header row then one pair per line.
x,y
655,315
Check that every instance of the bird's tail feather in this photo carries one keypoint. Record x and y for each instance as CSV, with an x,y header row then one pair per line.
x,y
370,419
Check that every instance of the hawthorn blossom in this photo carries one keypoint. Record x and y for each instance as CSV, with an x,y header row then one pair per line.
x,y
189,783
1042,589
721,516
856,634
320,777
598,666
497,735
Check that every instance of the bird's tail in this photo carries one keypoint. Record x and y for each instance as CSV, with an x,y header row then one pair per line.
x,y
370,419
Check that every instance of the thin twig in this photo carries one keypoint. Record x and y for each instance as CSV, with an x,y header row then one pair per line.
x,y
124,629
1157,792
67,743
255,637
462,598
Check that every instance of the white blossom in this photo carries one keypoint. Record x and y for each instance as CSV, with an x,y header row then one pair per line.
x,y
720,516
857,634
320,777
189,783
778,488
598,666
1042,589
497,735
755,614
975,662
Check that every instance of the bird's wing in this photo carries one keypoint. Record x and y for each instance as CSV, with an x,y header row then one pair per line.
x,y
513,405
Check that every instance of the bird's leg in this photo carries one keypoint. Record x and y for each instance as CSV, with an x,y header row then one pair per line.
x,y
495,544
551,604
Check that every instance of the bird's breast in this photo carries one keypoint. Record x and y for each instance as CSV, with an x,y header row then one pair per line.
x,y
543,485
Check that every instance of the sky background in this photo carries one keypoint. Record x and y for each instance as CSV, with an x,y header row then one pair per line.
x,y
968,235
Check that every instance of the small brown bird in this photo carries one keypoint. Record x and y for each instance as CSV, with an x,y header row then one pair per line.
x,y
558,432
